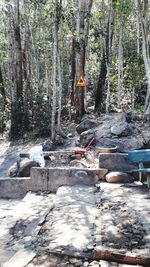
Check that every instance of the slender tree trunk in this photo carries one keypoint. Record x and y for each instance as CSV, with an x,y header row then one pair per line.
x,y
59,93
27,70
11,65
138,29
108,64
18,52
17,77
2,89
55,50
143,12
120,62
73,71
100,90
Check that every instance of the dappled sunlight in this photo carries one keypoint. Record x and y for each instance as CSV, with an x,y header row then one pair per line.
x,y
124,216
71,222
19,221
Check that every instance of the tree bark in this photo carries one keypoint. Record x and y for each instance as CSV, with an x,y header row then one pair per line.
x,y
55,50
2,89
100,90
143,13
18,52
82,30
17,101
120,61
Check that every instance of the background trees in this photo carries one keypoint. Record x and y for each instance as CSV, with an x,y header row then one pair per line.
x,y
46,45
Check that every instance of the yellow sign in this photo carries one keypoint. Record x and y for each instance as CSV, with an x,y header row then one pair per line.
x,y
81,82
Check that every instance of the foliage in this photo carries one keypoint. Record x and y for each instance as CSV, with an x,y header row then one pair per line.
x,y
41,116
36,109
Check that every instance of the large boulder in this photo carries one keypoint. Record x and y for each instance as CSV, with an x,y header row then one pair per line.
x,y
103,130
48,145
113,130
85,137
12,172
122,129
85,125
25,167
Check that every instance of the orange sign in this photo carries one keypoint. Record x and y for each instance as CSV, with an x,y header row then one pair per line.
x,y
81,82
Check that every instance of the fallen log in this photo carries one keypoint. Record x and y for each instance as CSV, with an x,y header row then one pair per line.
x,y
103,255
121,258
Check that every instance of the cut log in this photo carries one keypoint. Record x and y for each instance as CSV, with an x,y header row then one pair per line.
x,y
121,258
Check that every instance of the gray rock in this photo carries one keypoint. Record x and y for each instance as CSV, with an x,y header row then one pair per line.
x,y
118,177
86,136
114,130
130,143
114,161
86,264
121,129
86,125
94,264
12,172
25,167
47,146
69,135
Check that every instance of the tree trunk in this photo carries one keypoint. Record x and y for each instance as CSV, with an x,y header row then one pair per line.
x,y
18,52
108,65
2,89
82,30
55,50
16,77
143,13
138,29
27,70
120,62
100,90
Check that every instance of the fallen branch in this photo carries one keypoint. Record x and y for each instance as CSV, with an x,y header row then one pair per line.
x,y
120,258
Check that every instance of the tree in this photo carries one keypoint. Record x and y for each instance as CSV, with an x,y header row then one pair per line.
x,y
79,45
15,70
101,85
143,17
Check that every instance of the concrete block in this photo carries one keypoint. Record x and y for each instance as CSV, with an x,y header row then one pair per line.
x,y
48,179
114,162
14,187
57,177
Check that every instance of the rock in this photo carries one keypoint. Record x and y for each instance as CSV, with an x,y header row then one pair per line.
x,y
114,162
86,136
113,130
122,129
12,172
86,125
47,146
130,143
118,177
76,163
86,264
59,140
94,264
76,262
25,167
69,135
72,128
